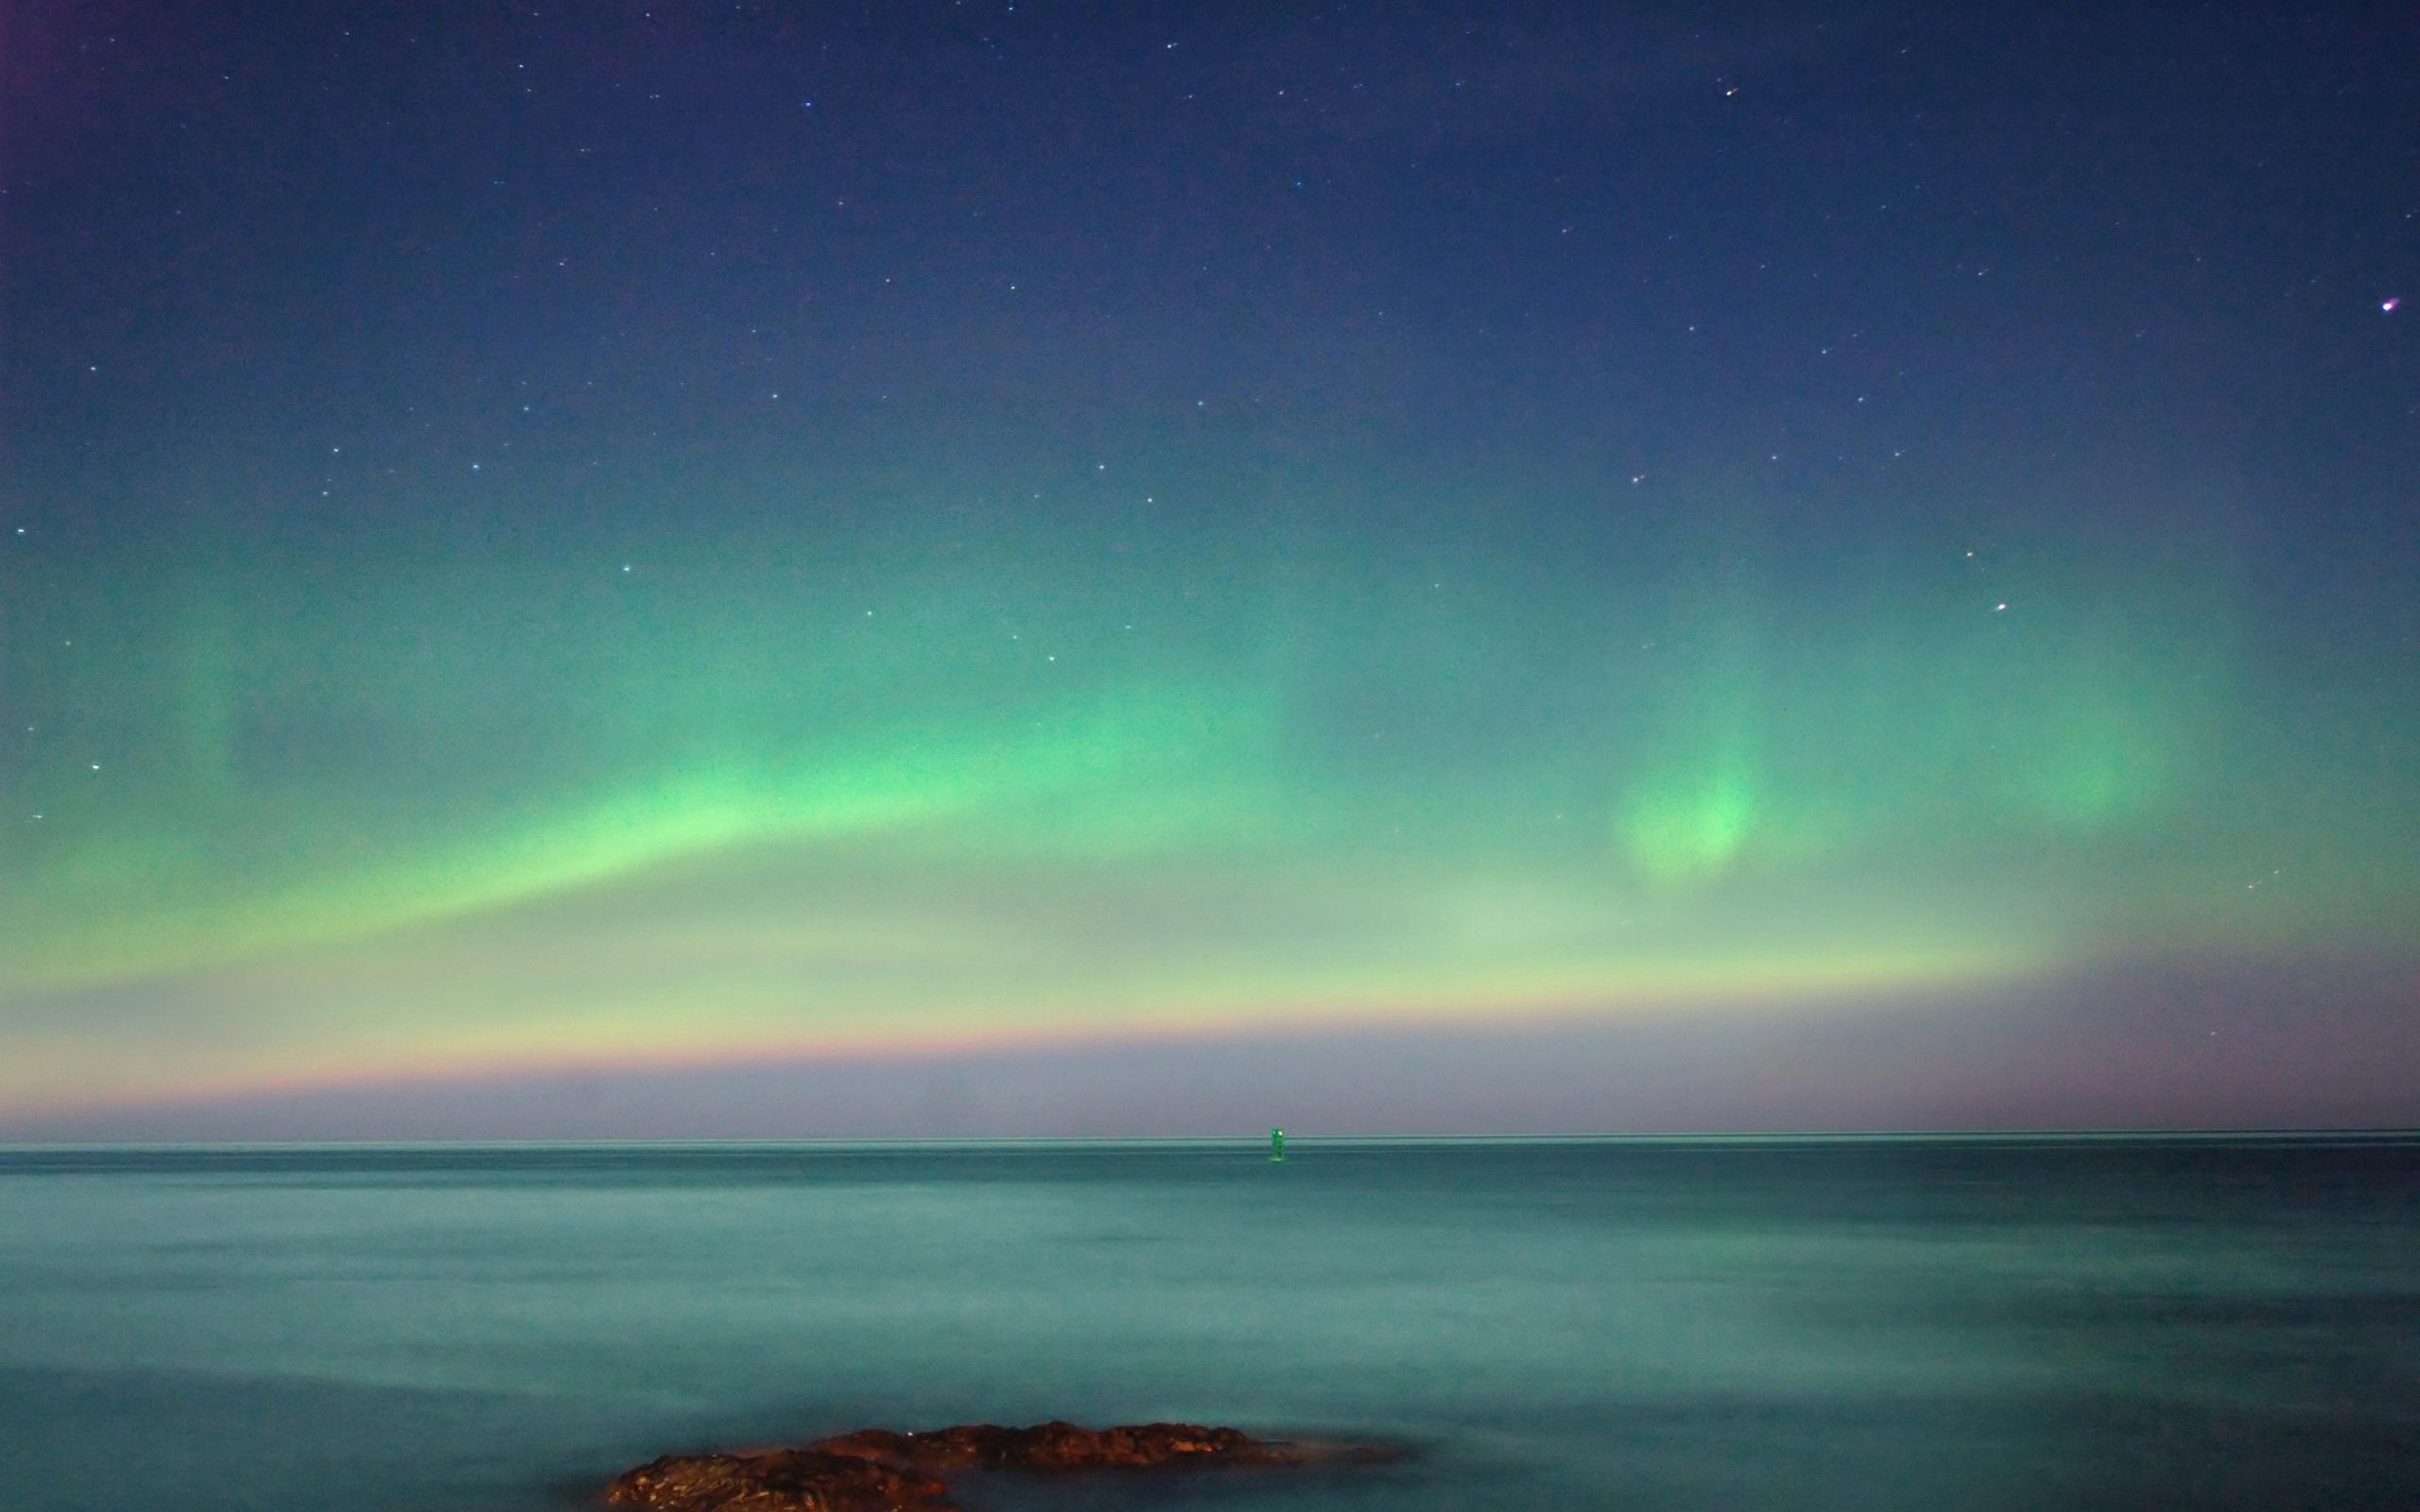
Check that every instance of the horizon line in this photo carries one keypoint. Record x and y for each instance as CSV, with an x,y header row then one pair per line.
x,y
2300,1135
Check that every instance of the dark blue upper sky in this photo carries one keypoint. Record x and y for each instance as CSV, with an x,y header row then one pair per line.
x,y
1586,233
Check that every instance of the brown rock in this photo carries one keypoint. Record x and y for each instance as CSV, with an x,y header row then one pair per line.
x,y
787,1480
875,1470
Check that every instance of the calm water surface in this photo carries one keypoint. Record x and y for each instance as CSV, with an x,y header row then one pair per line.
x,y
1827,1324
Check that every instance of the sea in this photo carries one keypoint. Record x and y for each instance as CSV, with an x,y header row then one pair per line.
x,y
1860,1324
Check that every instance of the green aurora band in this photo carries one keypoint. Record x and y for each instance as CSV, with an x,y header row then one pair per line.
x,y
923,771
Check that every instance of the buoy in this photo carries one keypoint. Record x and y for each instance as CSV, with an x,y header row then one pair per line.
x,y
1277,1144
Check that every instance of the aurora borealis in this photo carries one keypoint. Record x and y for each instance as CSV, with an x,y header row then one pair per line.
x,y
701,535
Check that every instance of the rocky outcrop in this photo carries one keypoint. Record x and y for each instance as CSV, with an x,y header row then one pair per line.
x,y
787,1480
875,1470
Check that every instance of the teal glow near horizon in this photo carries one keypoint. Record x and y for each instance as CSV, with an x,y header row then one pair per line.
x,y
1116,766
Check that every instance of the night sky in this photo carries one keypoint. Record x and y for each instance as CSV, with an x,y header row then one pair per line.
x,y
638,545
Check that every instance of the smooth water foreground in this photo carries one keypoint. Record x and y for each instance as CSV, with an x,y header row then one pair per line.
x,y
1822,1324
